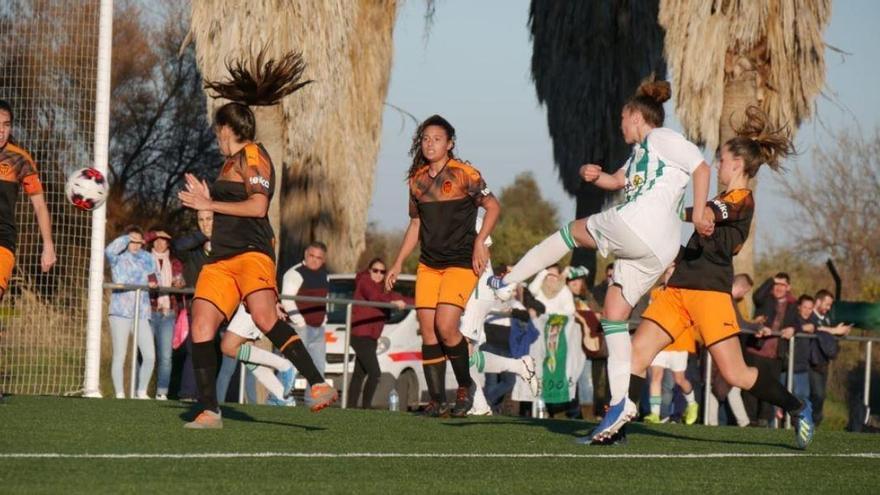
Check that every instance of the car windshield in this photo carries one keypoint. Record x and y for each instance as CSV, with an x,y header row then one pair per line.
x,y
343,288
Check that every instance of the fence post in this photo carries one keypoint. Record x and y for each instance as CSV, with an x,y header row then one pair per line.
x,y
242,370
345,354
868,379
789,378
708,387
134,341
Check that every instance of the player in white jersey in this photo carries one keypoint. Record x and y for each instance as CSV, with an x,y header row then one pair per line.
x,y
482,302
237,343
643,232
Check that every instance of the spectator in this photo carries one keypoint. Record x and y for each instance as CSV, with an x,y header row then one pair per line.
x,y
194,249
586,316
366,328
599,290
130,264
773,306
558,351
164,306
800,324
823,350
309,278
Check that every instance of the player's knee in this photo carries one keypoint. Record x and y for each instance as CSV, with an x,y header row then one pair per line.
x,y
228,348
736,376
265,321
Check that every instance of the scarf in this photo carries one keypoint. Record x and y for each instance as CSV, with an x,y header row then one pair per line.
x,y
163,263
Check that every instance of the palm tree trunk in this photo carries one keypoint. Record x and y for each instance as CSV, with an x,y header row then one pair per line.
x,y
740,92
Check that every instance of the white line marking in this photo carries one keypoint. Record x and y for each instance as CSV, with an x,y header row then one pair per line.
x,y
386,455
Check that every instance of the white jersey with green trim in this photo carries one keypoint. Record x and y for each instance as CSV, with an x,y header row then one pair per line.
x,y
657,173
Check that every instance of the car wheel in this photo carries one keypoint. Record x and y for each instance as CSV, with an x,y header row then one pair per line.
x,y
408,390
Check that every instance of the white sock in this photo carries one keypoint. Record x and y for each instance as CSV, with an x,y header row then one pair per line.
x,y
734,398
479,378
619,358
252,354
493,363
689,397
547,252
266,377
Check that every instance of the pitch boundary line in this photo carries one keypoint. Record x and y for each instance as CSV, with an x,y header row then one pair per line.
x,y
417,455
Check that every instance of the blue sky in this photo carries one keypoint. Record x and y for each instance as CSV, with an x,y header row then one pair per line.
x,y
474,70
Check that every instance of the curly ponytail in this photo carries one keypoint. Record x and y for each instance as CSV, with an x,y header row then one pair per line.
x,y
757,143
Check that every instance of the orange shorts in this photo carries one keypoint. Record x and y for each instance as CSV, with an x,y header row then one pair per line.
x,y
709,313
227,282
451,285
7,262
684,342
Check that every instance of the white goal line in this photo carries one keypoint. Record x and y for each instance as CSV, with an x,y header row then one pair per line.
x,y
404,455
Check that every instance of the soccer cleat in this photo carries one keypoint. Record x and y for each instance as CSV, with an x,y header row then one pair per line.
x,y
530,375
618,439
435,409
206,420
804,426
618,415
275,401
287,378
464,400
503,291
653,419
322,396
691,413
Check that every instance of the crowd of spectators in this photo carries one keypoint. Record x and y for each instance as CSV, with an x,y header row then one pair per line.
x,y
567,341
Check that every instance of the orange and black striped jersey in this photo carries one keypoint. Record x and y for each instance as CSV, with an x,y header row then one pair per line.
x,y
706,263
446,205
243,174
16,167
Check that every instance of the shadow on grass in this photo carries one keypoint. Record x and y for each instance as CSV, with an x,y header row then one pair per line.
x,y
231,413
574,428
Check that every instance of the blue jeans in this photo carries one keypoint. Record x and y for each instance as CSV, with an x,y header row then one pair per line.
x,y
585,384
497,384
316,343
163,331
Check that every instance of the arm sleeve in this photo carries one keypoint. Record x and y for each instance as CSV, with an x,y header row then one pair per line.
x,y
257,172
675,148
113,250
476,186
30,180
290,285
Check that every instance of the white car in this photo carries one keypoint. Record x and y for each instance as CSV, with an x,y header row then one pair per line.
x,y
399,348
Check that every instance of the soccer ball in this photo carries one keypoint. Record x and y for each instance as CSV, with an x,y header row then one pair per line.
x,y
86,189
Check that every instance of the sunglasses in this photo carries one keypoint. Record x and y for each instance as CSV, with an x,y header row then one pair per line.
x,y
379,271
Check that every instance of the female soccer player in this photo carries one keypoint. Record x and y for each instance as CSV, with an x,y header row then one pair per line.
x,y
642,232
242,263
445,194
698,293
17,167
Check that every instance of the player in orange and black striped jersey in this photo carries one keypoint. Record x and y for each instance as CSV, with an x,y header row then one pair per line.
x,y
445,194
242,262
17,169
698,293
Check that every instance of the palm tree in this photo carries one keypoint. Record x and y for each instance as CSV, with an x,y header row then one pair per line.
x,y
726,55
325,139
587,59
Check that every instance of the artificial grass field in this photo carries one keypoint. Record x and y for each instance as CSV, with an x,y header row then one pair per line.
x,y
292,450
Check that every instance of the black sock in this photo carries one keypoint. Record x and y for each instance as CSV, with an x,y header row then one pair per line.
x,y
434,364
636,386
460,361
204,358
288,342
767,389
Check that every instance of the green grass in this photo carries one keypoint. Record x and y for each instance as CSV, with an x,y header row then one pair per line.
x,y
80,426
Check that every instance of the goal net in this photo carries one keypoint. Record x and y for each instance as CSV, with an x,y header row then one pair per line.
x,y
48,68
